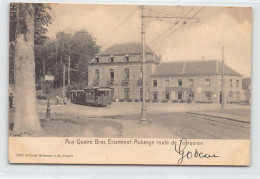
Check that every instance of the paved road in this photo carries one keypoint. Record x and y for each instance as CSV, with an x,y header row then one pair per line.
x,y
201,127
122,120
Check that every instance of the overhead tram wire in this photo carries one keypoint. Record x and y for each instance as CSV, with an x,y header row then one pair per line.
x,y
153,41
121,23
159,11
163,11
176,29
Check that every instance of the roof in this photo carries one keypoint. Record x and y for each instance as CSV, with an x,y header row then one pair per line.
x,y
125,49
193,68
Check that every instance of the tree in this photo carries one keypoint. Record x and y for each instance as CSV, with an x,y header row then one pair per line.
x,y
80,47
84,49
26,117
42,18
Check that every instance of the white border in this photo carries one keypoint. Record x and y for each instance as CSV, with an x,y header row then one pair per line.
x,y
109,171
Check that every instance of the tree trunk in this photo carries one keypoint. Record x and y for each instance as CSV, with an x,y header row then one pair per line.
x,y
26,117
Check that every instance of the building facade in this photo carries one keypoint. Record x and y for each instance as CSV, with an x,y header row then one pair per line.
x,y
120,67
195,81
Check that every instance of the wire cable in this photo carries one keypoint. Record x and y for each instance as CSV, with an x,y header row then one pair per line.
x,y
170,27
121,23
176,29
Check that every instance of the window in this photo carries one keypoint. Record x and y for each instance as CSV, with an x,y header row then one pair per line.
x,y
97,59
207,82
167,83
191,82
111,59
97,73
237,83
127,73
208,95
180,82
179,95
230,82
154,83
191,95
155,95
167,95
127,58
126,94
112,74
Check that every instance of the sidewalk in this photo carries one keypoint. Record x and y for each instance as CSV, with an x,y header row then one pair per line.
x,y
243,119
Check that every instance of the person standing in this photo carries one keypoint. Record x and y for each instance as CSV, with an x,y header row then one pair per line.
x,y
11,98
57,99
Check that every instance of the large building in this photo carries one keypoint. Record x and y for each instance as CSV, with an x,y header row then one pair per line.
x,y
195,81
120,67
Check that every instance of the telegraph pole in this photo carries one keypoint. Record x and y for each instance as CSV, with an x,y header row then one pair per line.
x,y
222,81
63,89
69,47
143,110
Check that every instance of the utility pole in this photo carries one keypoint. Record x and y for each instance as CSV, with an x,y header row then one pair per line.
x,y
63,89
143,110
222,81
69,47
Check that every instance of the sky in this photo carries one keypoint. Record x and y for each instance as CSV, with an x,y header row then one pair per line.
x,y
196,39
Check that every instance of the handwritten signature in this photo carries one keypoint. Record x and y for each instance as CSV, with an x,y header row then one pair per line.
x,y
180,149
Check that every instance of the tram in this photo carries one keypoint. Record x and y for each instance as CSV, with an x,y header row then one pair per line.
x,y
92,96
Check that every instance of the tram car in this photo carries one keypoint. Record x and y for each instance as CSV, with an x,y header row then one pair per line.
x,y
92,96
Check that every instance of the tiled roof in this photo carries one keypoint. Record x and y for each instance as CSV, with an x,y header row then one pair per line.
x,y
193,68
124,49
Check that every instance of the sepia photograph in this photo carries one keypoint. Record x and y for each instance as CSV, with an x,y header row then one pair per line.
x,y
123,76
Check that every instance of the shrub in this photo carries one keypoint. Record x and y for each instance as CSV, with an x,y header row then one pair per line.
x,y
182,101
41,97
155,100
165,101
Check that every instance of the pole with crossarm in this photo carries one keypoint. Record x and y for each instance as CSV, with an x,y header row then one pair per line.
x,y
143,110
222,82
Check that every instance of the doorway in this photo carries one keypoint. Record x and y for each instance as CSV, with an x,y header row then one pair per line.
x,y
126,94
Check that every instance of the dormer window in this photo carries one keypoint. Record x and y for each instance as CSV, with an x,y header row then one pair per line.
x,y
111,58
97,59
127,58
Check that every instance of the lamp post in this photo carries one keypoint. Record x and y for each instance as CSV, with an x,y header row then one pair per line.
x,y
48,110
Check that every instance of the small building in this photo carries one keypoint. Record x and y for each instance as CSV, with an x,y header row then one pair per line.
x,y
120,67
195,81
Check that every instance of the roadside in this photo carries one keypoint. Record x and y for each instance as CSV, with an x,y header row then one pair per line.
x,y
123,120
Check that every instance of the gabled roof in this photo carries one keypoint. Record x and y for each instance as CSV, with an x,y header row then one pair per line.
x,y
193,68
126,49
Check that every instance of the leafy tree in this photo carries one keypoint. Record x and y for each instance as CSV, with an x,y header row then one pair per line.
x,y
26,118
42,19
84,48
80,47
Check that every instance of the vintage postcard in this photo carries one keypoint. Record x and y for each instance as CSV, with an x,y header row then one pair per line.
x,y
129,84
